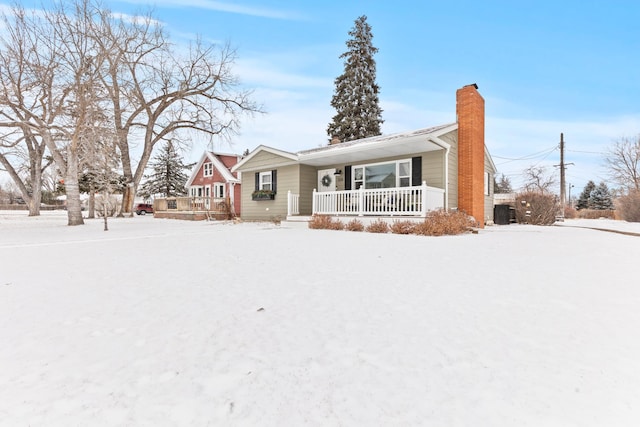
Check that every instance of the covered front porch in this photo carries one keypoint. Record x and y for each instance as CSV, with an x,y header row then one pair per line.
x,y
413,201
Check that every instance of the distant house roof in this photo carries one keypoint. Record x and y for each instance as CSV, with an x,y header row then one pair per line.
x,y
217,164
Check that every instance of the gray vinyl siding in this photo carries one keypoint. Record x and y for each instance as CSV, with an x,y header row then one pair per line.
x,y
264,159
433,169
308,181
252,210
488,200
451,138
287,179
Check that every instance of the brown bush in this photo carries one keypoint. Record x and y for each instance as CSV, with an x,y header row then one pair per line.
x,y
629,206
325,222
354,225
570,213
377,226
595,213
403,227
440,223
536,208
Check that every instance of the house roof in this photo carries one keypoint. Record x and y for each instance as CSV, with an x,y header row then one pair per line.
x,y
217,164
285,154
397,144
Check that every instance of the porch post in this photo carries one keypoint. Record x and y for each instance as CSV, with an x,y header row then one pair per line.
x,y
313,202
423,213
288,203
361,201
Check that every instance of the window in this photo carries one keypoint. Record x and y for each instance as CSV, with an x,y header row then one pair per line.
x,y
383,175
404,174
196,191
266,186
487,183
265,181
208,169
358,177
218,190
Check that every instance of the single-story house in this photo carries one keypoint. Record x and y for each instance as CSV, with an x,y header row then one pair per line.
x,y
399,175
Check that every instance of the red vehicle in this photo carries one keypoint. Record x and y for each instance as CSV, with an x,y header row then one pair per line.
x,y
143,208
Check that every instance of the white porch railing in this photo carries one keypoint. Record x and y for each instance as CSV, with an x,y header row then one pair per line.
x,y
293,204
400,201
192,204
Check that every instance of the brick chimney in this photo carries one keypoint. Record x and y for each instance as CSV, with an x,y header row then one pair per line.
x,y
335,140
470,113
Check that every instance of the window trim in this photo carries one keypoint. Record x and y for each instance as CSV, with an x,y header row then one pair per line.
x,y
216,190
262,183
196,191
487,184
207,169
363,181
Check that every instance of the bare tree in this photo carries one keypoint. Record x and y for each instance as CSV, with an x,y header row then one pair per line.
x,y
623,162
537,180
53,63
159,94
22,149
50,64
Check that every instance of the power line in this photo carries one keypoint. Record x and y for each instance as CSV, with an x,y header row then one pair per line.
x,y
528,156
587,152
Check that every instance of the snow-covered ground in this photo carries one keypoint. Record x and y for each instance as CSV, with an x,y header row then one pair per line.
x,y
172,323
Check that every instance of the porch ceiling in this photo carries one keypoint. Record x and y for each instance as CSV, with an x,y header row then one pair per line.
x,y
371,151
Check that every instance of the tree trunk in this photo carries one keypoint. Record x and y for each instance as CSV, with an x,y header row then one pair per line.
x,y
36,186
128,198
105,209
74,207
92,202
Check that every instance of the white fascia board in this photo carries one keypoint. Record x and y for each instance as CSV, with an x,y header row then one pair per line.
x,y
440,142
221,167
196,169
493,165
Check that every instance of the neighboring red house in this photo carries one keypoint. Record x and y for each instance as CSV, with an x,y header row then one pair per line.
x,y
212,177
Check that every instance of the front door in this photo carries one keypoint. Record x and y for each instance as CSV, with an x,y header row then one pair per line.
x,y
326,180
326,203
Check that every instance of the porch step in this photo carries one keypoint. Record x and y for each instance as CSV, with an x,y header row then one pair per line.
x,y
298,218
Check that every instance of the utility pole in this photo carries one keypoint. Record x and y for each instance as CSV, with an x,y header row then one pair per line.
x,y
562,186
562,179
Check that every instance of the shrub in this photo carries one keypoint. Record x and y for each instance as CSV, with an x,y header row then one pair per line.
x,y
570,213
377,226
595,213
325,222
403,227
629,206
354,225
536,208
441,222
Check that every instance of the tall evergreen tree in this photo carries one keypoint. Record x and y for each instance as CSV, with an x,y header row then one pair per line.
x,y
585,196
168,177
356,94
601,198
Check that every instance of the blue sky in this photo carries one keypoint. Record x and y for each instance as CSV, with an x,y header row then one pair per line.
x,y
543,67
